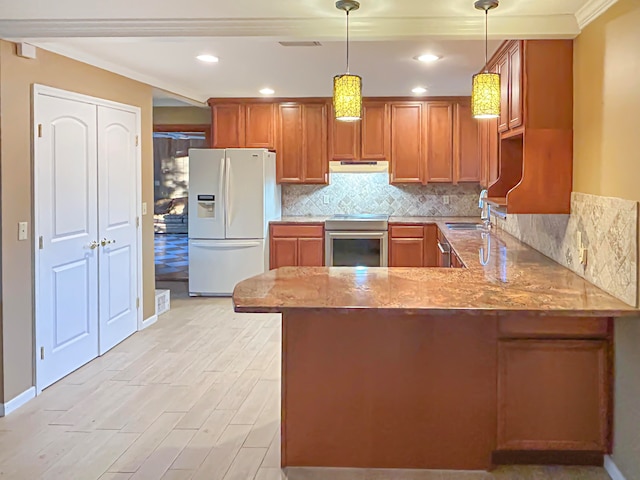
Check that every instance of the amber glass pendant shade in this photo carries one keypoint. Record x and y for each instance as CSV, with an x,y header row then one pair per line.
x,y
347,97
485,95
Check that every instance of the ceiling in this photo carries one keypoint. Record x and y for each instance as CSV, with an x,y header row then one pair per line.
x,y
156,42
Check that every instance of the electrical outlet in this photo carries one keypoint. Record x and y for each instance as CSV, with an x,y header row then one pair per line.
x,y
445,199
325,199
144,208
22,231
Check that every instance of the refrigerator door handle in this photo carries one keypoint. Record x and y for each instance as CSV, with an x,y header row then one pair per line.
x,y
227,193
226,245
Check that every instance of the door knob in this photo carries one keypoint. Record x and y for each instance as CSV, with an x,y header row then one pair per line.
x,y
93,245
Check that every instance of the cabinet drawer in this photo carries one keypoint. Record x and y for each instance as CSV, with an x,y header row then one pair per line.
x,y
554,327
407,231
298,230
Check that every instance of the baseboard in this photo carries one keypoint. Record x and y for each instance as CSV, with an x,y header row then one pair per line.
x,y
16,402
612,469
149,321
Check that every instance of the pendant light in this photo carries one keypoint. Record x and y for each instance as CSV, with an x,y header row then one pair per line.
x,y
347,88
485,93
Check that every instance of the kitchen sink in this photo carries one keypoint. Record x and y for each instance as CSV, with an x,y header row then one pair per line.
x,y
464,226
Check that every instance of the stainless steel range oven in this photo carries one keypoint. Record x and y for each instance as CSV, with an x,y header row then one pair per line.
x,y
356,240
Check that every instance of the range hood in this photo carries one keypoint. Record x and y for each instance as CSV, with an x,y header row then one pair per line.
x,y
359,166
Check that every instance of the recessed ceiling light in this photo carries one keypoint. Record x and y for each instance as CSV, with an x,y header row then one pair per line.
x,y
267,91
208,58
427,57
419,90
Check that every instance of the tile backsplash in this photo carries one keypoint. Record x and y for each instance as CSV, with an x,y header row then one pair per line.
x,y
609,229
371,193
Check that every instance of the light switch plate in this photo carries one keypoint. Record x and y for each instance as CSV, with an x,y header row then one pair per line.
x,y
326,199
23,233
144,208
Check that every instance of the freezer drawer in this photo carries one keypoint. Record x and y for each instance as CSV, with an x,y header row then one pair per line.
x,y
217,266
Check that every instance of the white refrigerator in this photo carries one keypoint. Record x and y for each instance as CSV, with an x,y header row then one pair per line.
x,y
233,196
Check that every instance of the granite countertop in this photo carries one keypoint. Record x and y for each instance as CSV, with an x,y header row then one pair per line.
x,y
392,219
515,278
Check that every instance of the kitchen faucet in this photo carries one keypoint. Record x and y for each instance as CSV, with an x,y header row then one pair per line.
x,y
485,216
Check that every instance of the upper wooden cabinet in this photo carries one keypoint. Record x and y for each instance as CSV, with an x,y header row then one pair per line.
x,y
227,124
467,166
515,85
407,140
535,127
374,136
243,125
302,143
260,125
439,142
367,139
434,142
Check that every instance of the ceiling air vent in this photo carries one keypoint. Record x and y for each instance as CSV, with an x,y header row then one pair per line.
x,y
300,44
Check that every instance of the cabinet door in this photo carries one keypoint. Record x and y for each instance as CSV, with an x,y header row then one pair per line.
x,y
515,85
407,154
467,166
552,395
310,252
502,67
406,252
431,252
228,125
290,152
483,147
259,125
345,140
494,149
316,160
439,142
283,252
375,131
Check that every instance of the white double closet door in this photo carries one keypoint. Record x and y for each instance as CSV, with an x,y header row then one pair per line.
x,y
86,180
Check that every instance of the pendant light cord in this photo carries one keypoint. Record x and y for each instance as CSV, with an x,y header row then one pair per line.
x,y
486,41
347,42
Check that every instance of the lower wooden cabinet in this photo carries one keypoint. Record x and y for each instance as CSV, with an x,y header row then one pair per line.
x,y
413,245
553,395
296,245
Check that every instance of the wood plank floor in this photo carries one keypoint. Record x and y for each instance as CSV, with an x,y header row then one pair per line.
x,y
195,396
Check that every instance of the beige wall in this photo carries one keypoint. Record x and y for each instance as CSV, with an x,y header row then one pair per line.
x,y
181,116
607,162
16,77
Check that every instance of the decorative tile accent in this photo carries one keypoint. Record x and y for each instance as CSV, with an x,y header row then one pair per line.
x,y
609,229
371,193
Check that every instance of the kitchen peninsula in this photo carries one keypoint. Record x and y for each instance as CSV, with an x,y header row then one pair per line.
x,y
507,360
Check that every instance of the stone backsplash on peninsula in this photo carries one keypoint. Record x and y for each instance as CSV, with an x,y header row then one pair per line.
x,y
609,229
371,193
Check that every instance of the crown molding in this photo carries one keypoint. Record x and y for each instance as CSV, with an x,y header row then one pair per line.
x,y
364,28
81,56
592,10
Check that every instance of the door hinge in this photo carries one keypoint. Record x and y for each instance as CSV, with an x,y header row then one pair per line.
x,y
41,353
41,243
138,302
137,221
137,140
39,130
